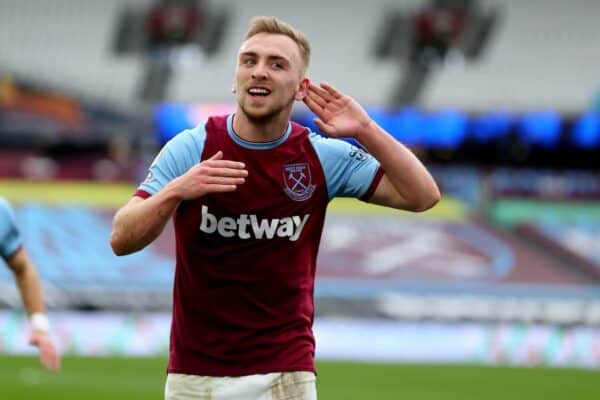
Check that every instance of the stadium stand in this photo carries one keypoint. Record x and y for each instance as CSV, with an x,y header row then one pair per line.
x,y
508,70
555,68
85,33
66,45
574,240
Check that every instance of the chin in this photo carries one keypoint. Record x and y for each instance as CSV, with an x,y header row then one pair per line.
x,y
260,114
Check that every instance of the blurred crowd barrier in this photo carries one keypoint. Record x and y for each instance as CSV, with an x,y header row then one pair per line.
x,y
147,334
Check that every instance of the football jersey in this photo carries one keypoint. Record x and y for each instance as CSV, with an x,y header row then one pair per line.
x,y
10,238
245,260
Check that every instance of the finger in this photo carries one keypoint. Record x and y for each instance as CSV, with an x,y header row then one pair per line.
x,y
224,180
217,156
232,172
224,164
328,97
313,106
331,90
46,360
55,362
322,102
221,188
50,358
52,363
328,129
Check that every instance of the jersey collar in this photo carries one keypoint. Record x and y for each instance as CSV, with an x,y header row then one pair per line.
x,y
256,145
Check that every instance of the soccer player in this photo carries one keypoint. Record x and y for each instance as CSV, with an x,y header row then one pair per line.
x,y
28,282
248,194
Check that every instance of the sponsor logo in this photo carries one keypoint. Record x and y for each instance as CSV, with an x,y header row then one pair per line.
x,y
249,226
298,181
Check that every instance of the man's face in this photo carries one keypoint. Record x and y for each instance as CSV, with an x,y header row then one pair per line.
x,y
268,76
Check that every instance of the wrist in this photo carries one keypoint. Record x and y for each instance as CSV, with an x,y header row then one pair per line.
x,y
172,191
367,128
39,322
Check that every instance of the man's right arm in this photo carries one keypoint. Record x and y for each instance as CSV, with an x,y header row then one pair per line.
x,y
140,221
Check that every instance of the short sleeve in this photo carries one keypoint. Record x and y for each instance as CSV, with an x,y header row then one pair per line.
x,y
10,237
176,157
349,170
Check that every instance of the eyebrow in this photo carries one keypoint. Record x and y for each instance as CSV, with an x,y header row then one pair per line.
x,y
272,57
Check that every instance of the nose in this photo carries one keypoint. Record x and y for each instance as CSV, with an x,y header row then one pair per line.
x,y
259,72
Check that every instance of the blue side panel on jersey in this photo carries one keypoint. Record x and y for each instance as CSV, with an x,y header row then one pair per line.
x,y
349,171
10,238
179,155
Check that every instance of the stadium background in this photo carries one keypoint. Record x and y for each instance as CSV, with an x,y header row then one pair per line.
x,y
492,293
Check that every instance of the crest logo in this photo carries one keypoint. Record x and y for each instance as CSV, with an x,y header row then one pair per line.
x,y
298,181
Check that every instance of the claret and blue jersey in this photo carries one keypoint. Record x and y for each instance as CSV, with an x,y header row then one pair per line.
x,y
348,170
245,268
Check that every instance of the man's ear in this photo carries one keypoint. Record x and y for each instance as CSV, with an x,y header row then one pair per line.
x,y
302,91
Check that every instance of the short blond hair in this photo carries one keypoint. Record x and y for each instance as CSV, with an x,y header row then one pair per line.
x,y
277,26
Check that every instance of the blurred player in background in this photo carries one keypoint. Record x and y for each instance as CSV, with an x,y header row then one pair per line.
x,y
248,194
28,282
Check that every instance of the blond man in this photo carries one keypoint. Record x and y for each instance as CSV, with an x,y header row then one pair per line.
x,y
248,193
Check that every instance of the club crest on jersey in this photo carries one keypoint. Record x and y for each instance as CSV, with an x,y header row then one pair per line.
x,y
298,181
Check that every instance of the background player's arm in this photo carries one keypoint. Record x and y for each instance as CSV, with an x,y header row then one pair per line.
x,y
28,282
406,183
140,221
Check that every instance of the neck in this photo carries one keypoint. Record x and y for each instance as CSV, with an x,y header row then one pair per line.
x,y
258,129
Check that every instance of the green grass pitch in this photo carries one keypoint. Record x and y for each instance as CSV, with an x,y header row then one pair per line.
x,y
143,378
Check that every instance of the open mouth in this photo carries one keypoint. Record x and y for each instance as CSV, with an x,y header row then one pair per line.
x,y
259,92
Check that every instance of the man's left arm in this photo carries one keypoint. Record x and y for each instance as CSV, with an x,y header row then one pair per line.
x,y
29,285
406,183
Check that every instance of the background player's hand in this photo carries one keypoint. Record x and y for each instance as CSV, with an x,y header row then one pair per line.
x,y
338,115
213,175
49,356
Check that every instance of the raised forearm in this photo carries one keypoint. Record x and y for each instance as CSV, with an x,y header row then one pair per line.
x,y
406,183
140,221
415,188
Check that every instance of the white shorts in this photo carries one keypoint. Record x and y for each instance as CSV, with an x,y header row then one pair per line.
x,y
274,386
